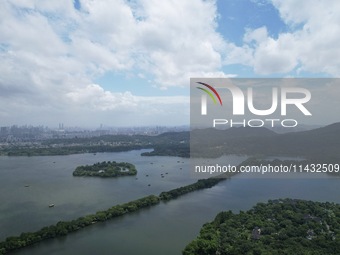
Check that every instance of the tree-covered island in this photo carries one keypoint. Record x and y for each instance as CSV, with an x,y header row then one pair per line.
x,y
106,169
279,227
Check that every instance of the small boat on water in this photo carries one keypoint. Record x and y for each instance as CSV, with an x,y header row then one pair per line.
x,y
51,205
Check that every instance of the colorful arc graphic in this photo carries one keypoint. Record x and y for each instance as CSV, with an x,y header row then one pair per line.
x,y
209,93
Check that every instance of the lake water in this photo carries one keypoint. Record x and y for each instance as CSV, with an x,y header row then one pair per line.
x,y
162,229
28,185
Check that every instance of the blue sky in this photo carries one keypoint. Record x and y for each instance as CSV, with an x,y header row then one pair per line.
x,y
124,63
234,19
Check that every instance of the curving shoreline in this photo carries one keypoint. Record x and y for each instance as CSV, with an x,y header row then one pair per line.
x,y
280,226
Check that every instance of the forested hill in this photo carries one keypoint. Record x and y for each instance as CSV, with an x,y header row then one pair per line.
x,y
322,144
284,226
106,143
313,144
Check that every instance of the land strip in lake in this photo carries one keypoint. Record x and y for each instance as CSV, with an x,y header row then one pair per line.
x,y
62,228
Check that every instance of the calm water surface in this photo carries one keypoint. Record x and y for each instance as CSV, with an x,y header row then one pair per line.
x,y
29,184
162,229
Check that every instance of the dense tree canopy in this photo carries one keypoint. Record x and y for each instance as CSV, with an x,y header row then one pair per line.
x,y
106,169
284,226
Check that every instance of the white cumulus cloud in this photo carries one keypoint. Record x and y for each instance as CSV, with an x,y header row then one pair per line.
x,y
50,53
310,44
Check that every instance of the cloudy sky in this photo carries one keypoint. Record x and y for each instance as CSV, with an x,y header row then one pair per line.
x,y
122,63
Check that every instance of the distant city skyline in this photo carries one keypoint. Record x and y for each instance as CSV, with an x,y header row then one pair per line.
x,y
128,63
22,134
61,126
